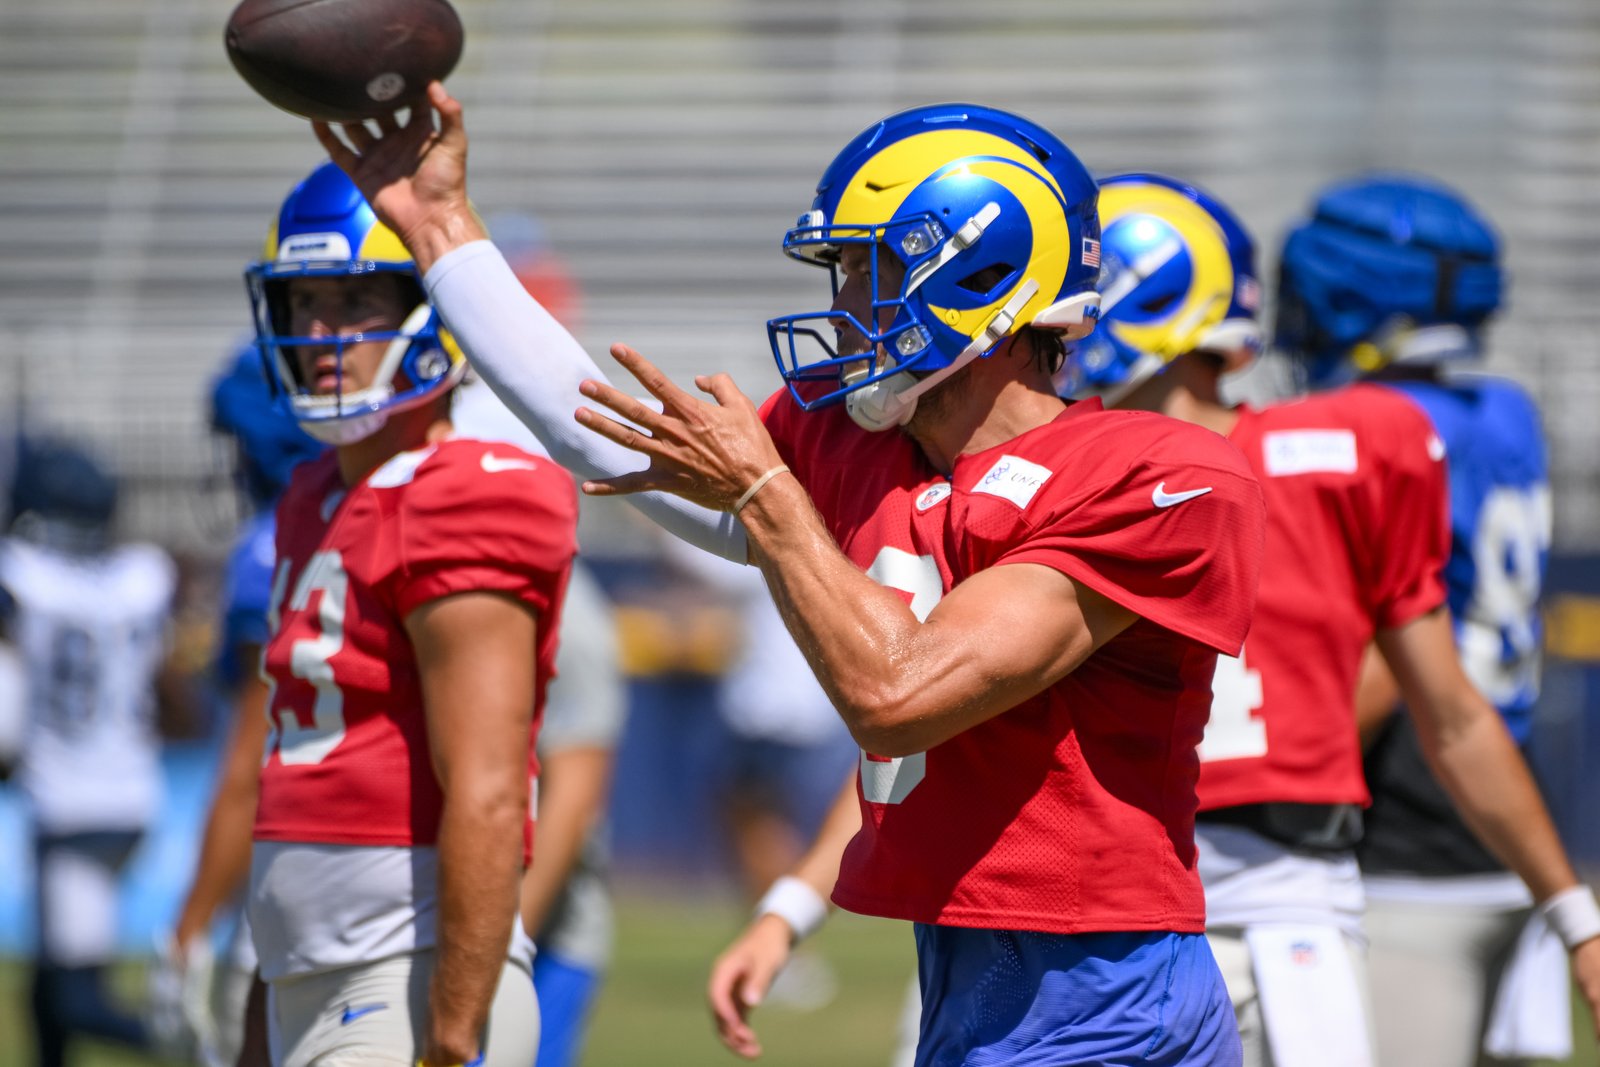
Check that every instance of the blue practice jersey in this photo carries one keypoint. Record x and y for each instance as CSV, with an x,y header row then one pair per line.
x,y
1500,523
247,591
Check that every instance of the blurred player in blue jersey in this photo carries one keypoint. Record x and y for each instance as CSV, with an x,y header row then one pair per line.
x,y
268,445
90,619
1393,278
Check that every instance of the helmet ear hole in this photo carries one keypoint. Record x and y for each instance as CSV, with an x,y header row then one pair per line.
x,y
987,280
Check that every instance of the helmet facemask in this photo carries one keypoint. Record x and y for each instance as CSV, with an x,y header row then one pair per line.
x,y
415,366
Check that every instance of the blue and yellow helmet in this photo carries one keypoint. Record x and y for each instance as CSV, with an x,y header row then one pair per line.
x,y
1389,268
993,219
326,229
1179,276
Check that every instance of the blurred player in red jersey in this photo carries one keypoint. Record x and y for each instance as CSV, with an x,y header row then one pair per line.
x,y
1357,536
1453,934
1016,604
416,599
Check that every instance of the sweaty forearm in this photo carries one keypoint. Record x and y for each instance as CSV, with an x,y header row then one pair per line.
x,y
862,641
1486,776
534,366
479,849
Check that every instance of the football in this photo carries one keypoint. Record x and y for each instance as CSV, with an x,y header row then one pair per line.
x,y
343,60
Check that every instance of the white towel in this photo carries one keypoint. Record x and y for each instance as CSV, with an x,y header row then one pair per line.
x,y
1311,1002
1532,1014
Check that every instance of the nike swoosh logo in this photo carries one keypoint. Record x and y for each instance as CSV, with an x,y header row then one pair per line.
x,y
352,1014
1163,499
499,464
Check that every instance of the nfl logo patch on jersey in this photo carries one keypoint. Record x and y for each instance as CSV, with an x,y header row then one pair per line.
x,y
932,495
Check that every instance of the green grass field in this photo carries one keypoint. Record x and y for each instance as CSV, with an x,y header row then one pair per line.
x,y
653,1012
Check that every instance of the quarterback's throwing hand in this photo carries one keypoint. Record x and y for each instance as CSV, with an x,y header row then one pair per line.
x,y
414,176
709,453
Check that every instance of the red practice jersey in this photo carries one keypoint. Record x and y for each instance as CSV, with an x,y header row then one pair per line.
x,y
1073,811
347,760
1358,531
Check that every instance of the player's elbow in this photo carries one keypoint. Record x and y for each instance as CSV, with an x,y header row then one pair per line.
x,y
499,800
891,723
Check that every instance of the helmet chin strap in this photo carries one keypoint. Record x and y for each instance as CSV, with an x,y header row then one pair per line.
x,y
892,400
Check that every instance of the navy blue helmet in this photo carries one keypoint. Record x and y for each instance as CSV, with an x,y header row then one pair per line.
x,y
1388,268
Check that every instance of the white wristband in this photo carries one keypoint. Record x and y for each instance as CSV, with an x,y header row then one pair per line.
x,y
756,488
797,904
1574,915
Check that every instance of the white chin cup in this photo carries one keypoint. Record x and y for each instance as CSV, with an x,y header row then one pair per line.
x,y
347,431
881,405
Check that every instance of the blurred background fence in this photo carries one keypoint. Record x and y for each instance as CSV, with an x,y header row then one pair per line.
x,y
667,146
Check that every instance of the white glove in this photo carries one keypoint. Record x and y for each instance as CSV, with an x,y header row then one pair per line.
x,y
178,1006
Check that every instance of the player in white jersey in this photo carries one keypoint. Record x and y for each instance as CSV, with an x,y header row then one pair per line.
x,y
90,621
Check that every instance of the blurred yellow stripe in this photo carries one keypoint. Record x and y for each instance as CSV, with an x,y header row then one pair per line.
x,y
693,640
1572,627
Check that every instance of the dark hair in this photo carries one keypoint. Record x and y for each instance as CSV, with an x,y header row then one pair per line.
x,y
1048,348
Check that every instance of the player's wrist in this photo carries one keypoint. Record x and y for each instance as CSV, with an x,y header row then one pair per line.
x,y
757,485
440,231
1573,914
792,900
770,514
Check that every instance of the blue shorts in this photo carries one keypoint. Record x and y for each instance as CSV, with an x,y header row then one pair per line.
x,y
1081,1000
566,992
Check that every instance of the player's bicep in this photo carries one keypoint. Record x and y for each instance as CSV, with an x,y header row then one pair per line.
x,y
1014,630
475,659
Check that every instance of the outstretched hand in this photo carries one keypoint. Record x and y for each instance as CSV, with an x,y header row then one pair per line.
x,y
414,176
708,453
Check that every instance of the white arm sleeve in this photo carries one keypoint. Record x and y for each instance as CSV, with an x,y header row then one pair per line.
x,y
534,366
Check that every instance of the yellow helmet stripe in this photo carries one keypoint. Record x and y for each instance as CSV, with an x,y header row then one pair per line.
x,y
876,191
1211,288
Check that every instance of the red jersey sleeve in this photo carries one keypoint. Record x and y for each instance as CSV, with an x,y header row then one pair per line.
x,y
1175,535
778,412
1408,509
486,518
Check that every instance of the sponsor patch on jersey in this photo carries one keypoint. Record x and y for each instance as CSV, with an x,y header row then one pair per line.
x,y
399,470
314,246
932,495
1309,452
494,464
1015,479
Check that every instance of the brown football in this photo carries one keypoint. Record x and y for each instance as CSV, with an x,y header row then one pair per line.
x,y
343,60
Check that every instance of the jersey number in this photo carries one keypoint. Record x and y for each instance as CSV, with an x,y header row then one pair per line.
x,y
1234,731
73,678
1498,631
309,660
883,780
